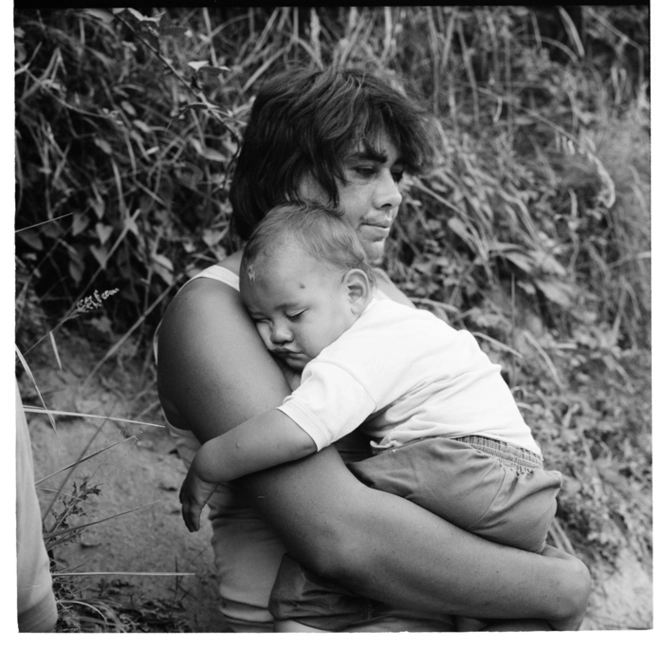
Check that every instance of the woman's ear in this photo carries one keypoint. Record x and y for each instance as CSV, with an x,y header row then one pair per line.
x,y
359,289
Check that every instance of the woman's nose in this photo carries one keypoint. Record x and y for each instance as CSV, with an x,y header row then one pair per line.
x,y
387,195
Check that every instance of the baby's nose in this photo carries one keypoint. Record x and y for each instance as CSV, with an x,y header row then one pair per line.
x,y
280,335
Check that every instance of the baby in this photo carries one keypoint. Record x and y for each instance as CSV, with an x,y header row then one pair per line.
x,y
445,430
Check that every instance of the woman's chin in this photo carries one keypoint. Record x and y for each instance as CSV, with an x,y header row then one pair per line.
x,y
375,251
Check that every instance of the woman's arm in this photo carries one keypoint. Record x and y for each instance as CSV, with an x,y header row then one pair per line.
x,y
389,549
214,373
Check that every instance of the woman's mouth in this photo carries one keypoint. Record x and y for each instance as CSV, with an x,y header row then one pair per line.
x,y
377,230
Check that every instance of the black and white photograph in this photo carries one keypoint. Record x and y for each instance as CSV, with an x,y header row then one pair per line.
x,y
276,268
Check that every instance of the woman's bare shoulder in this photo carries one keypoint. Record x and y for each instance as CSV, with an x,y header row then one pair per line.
x,y
201,301
213,369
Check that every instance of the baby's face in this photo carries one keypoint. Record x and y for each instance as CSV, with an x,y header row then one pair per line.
x,y
299,304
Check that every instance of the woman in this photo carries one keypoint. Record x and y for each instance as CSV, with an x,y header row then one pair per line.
x,y
345,137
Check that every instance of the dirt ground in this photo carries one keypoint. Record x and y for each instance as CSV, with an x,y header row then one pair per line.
x,y
146,472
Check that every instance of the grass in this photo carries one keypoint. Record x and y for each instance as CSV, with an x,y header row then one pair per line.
x,y
71,496
532,231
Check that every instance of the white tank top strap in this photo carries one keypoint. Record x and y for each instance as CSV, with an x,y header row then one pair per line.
x,y
216,272
219,273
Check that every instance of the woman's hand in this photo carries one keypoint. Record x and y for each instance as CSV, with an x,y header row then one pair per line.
x,y
194,495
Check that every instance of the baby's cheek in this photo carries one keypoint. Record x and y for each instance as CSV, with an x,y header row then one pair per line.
x,y
264,332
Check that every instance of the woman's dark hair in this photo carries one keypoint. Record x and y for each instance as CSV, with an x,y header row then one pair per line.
x,y
304,121
318,230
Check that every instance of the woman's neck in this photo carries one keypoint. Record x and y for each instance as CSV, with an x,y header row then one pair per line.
x,y
232,262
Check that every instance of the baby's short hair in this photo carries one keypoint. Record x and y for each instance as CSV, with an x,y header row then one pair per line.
x,y
318,230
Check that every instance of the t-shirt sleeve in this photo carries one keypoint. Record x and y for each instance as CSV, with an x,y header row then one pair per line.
x,y
328,404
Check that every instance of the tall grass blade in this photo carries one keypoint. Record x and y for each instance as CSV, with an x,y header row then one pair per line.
x,y
553,372
37,410
28,371
572,32
46,222
105,573
78,527
54,346
80,460
128,334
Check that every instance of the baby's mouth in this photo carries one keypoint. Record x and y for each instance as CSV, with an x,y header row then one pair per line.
x,y
287,353
294,360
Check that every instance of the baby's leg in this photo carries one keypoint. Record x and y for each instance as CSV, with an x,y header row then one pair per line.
x,y
468,624
302,601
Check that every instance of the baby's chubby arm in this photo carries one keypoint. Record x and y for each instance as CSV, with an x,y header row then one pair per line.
x,y
264,441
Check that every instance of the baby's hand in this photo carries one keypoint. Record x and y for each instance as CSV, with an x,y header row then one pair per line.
x,y
194,495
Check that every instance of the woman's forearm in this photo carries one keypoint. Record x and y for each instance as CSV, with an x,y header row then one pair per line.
x,y
463,574
386,548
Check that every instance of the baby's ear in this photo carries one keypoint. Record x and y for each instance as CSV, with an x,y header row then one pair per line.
x,y
359,289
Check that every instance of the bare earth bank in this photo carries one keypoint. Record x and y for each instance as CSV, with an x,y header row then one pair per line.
x,y
146,472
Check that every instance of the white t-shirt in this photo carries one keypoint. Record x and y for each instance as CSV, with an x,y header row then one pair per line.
x,y
407,375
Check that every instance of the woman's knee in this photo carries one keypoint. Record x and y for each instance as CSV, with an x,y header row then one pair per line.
x,y
581,584
573,589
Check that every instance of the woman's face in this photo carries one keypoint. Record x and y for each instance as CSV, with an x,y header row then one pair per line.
x,y
369,197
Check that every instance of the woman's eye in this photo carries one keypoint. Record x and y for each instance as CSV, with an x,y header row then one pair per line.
x,y
365,171
397,175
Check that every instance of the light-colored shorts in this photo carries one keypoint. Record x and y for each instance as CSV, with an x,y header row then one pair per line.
x,y
493,489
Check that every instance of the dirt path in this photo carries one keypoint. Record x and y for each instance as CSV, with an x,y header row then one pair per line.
x,y
146,472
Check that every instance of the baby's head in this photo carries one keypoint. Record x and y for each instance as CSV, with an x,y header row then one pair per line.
x,y
304,279
310,228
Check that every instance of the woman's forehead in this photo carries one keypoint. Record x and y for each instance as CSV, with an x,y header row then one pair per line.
x,y
379,147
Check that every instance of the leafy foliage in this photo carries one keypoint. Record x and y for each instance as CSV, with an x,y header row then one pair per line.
x,y
532,230
114,607
65,523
